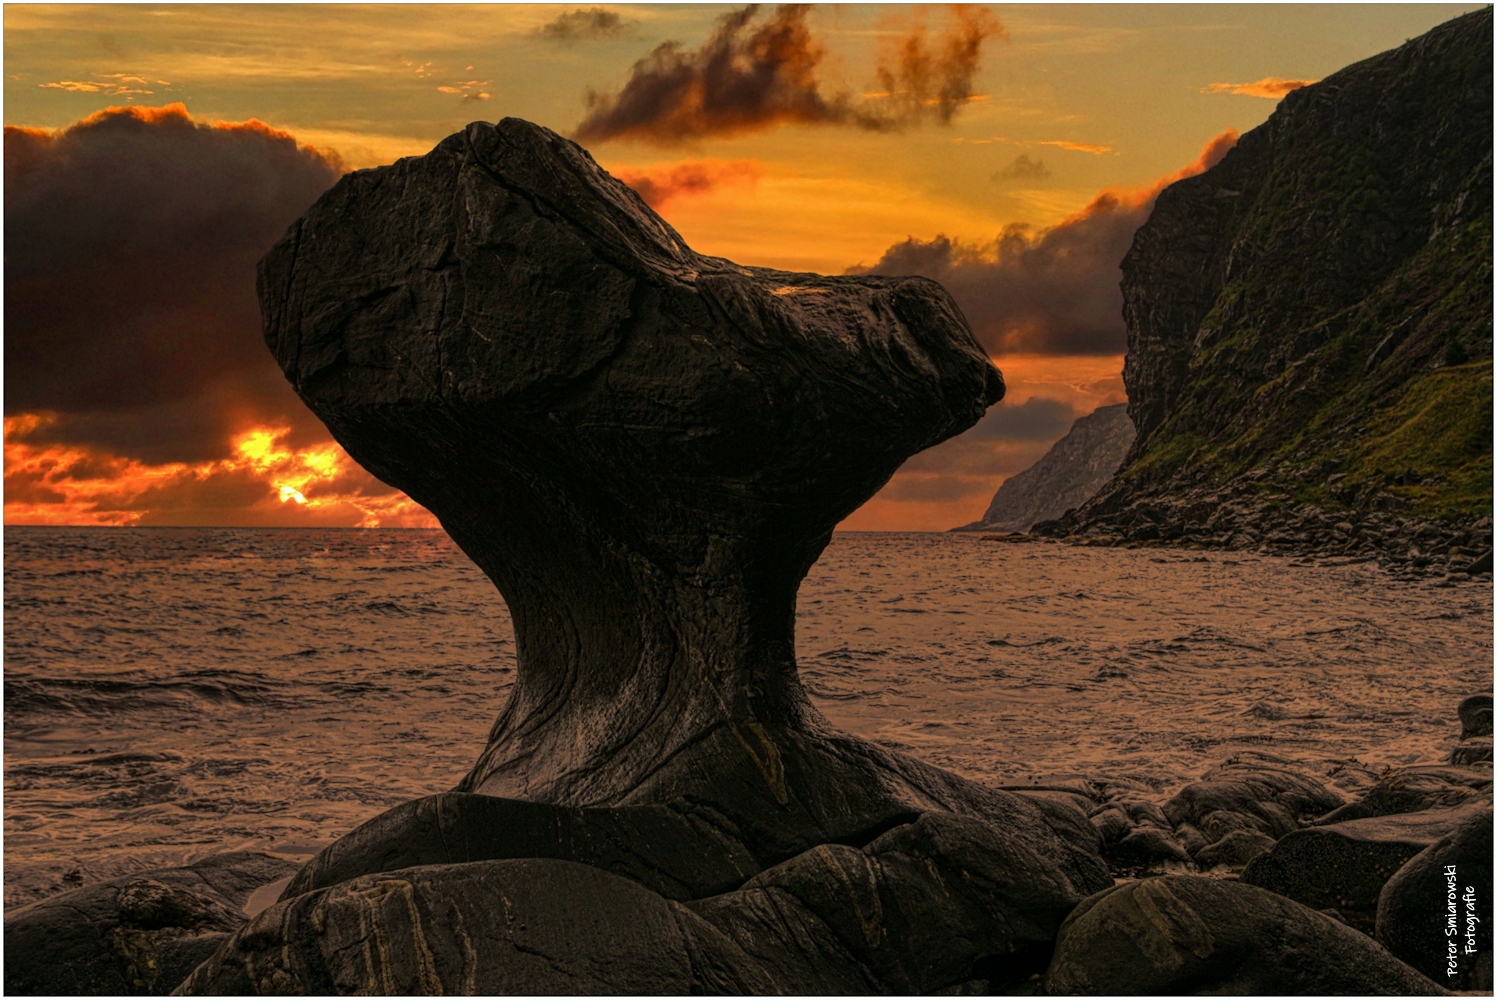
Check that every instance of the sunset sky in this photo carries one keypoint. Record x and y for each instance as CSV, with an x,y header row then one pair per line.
x,y
153,153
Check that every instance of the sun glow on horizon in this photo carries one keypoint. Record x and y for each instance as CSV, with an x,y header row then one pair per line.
x,y
264,482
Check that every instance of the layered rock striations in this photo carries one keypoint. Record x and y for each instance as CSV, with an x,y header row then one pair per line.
x,y
1069,474
1310,324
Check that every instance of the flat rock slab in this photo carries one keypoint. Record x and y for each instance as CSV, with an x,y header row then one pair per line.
x,y
1192,934
137,935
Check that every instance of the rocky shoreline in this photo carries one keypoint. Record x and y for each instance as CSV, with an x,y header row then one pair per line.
x,y
1270,524
1256,878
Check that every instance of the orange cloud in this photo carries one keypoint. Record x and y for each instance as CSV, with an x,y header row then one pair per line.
x,y
115,84
749,76
265,482
467,90
1078,147
1110,200
691,178
1270,86
916,72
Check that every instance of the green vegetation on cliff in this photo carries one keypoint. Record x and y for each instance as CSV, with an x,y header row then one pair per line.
x,y
1310,321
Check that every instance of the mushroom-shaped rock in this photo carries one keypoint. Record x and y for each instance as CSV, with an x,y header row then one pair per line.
x,y
643,447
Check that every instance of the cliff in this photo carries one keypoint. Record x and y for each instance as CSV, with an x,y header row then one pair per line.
x,y
1068,475
1310,324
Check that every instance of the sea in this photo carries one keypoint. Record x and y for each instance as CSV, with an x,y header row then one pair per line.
x,y
172,693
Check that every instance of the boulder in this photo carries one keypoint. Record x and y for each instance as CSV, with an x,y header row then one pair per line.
x,y
1148,848
1422,911
139,935
1187,934
926,906
1345,865
932,904
1472,751
1249,795
1112,825
1475,714
1234,850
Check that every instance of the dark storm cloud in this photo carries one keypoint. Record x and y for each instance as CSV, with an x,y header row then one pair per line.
x,y
130,247
1052,291
580,25
753,75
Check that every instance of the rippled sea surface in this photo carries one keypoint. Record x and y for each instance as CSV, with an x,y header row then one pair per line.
x,y
172,693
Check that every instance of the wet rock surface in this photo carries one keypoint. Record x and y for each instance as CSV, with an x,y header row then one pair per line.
x,y
1476,731
926,906
1180,934
1416,789
532,926
1249,795
1475,714
139,935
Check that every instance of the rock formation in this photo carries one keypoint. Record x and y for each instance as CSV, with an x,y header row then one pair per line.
x,y
137,935
1344,866
927,905
1069,474
645,449
1310,326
